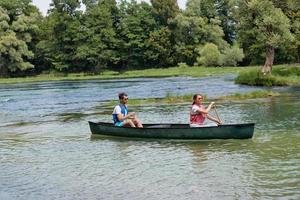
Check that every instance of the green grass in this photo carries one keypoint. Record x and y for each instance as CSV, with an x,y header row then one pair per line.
x,y
157,72
282,75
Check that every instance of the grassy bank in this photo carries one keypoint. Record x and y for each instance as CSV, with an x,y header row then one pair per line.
x,y
282,75
157,72
173,99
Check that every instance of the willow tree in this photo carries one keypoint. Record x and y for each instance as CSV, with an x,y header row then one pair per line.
x,y
270,28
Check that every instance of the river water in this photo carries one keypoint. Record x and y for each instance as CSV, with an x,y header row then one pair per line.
x,y
47,152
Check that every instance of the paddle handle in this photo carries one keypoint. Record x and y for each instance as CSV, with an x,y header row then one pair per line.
x,y
215,108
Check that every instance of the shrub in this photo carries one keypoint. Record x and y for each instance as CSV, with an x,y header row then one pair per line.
x,y
209,55
232,56
182,65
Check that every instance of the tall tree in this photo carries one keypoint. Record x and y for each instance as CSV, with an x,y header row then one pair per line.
x,y
159,48
16,31
261,20
164,10
136,24
194,31
59,40
291,8
98,45
201,8
215,9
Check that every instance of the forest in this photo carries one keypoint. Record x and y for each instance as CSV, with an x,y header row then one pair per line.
x,y
124,35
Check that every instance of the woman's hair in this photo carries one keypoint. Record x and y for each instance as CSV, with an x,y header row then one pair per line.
x,y
195,97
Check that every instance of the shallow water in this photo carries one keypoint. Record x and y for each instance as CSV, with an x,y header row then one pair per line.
x,y
47,152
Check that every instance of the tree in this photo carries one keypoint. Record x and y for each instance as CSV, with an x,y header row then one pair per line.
x,y
201,8
215,9
136,24
265,25
15,36
159,51
98,43
59,42
291,8
164,10
193,31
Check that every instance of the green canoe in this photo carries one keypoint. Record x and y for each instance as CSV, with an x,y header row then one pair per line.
x,y
175,131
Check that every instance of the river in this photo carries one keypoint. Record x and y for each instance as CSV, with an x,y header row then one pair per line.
x,y
47,152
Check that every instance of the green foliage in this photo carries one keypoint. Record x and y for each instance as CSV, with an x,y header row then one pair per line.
x,y
261,25
132,35
15,36
291,8
221,10
201,8
191,32
232,56
209,55
182,65
282,75
97,42
136,24
287,71
159,48
255,77
59,40
164,10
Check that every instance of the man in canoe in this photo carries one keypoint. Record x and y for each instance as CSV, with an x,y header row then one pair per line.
x,y
122,117
199,113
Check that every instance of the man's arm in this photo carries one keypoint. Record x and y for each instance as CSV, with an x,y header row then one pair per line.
x,y
122,118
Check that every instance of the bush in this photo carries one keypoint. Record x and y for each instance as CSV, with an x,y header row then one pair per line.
x,y
209,55
182,65
232,56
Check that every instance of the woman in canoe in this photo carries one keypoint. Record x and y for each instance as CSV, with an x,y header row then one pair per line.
x,y
122,117
199,113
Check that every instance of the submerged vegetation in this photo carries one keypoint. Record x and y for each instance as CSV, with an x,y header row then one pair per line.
x,y
177,99
281,76
250,95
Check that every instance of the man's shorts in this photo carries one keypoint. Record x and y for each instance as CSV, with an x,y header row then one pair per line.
x,y
119,124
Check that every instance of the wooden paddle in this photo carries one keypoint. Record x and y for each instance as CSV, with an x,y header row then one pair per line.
x,y
215,108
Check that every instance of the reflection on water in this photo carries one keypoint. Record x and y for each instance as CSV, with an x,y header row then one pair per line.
x,y
46,151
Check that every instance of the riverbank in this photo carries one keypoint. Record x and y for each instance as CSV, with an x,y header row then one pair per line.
x,y
157,72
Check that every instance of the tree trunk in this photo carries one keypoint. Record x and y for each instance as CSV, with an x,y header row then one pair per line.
x,y
267,68
3,71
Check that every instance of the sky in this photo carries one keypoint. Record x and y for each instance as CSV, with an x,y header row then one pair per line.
x,y
43,5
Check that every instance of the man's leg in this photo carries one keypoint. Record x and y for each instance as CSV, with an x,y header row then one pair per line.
x,y
137,122
129,123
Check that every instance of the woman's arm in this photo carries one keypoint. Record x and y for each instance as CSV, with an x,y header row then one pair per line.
x,y
214,119
206,111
